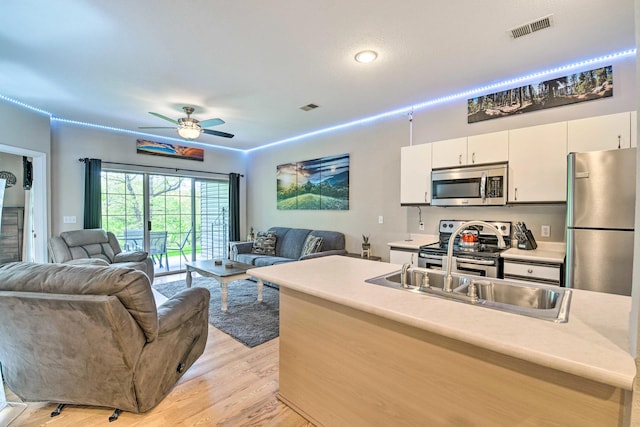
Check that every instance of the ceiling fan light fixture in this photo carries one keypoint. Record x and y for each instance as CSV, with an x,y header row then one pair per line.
x,y
189,132
366,56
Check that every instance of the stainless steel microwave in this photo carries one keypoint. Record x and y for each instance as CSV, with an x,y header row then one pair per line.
x,y
484,185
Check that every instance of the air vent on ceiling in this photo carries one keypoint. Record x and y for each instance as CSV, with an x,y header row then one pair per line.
x,y
309,107
531,27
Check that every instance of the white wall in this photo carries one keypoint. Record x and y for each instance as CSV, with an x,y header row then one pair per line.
x,y
374,185
24,132
24,129
70,143
375,171
13,196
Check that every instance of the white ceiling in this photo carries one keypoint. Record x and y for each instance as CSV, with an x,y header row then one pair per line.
x,y
253,63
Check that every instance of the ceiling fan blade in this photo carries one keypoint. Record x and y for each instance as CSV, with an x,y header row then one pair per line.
x,y
156,127
163,117
218,133
211,122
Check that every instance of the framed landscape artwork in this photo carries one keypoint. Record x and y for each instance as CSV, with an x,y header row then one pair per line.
x,y
321,184
578,87
169,150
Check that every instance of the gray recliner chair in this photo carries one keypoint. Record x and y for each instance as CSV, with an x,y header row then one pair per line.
x,y
96,246
92,335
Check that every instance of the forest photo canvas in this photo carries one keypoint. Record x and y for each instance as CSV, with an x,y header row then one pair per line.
x,y
578,87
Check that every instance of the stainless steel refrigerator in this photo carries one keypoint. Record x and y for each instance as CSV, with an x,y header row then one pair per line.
x,y
601,194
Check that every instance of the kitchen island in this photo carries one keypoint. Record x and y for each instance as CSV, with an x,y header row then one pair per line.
x,y
353,353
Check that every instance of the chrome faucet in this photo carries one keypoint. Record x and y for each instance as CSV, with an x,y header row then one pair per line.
x,y
447,278
403,274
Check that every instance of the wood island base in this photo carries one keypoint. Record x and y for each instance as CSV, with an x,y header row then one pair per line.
x,y
342,366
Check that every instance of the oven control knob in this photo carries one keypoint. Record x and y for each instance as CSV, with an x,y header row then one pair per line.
x,y
504,227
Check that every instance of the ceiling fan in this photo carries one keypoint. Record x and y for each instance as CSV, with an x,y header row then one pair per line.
x,y
190,128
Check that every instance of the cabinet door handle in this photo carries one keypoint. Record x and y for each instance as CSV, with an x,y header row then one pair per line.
x,y
473,157
530,271
515,194
426,196
619,141
460,159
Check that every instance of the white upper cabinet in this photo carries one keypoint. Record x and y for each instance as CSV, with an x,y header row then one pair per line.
x,y
488,148
538,164
599,133
474,150
450,152
415,174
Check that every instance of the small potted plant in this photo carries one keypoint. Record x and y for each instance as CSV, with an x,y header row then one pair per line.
x,y
251,236
366,246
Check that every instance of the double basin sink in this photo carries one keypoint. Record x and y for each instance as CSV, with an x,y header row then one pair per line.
x,y
542,302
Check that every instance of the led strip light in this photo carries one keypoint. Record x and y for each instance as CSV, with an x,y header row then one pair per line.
x,y
359,122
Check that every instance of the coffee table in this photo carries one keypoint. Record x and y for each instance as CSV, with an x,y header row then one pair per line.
x,y
223,275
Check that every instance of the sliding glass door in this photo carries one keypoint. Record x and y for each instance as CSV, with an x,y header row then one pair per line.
x,y
176,219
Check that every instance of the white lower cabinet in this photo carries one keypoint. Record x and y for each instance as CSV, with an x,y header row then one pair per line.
x,y
403,256
538,164
539,272
415,174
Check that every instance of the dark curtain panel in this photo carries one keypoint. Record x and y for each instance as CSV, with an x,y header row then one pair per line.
x,y
92,193
234,207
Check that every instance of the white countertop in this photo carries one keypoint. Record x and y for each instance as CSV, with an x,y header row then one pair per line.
x,y
414,241
545,252
593,344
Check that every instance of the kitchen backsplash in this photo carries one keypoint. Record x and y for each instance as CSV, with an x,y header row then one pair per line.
x,y
535,216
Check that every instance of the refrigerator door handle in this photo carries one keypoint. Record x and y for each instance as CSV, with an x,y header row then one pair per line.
x,y
569,255
582,175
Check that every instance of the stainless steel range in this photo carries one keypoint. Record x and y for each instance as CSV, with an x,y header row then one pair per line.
x,y
475,249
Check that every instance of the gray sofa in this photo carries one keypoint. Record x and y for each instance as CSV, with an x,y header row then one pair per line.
x,y
289,245
92,335
99,247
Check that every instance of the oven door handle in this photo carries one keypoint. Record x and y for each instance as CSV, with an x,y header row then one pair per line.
x,y
483,186
433,257
475,261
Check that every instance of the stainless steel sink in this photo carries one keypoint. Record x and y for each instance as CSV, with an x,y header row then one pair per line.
x,y
512,294
416,279
539,301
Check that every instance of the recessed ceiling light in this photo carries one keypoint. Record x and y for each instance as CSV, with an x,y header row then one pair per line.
x,y
366,56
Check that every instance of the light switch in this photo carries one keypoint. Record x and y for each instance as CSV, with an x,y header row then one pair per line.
x,y
380,219
69,219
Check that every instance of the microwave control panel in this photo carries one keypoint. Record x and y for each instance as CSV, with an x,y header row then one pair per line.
x,y
495,187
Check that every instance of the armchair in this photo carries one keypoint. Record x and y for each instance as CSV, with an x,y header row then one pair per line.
x,y
97,246
92,335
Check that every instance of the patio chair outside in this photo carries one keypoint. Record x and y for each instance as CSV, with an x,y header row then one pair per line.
x,y
158,247
182,244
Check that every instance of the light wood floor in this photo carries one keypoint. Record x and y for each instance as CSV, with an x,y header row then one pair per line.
x,y
229,385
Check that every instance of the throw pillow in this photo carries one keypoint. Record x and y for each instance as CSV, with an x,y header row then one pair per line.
x,y
264,243
311,245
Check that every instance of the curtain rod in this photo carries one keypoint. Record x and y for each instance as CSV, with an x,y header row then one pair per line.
x,y
164,167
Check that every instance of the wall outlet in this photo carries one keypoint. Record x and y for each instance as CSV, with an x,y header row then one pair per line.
x,y
380,219
69,219
421,226
545,231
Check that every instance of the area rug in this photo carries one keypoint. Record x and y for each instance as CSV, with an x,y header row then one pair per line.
x,y
247,320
